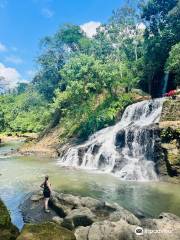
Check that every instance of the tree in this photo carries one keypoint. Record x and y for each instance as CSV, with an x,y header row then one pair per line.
x,y
81,75
173,62
2,120
160,36
70,36
55,51
22,87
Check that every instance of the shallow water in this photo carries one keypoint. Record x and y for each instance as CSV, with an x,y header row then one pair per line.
x,y
21,175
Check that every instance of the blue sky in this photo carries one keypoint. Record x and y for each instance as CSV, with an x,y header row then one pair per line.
x,y
24,22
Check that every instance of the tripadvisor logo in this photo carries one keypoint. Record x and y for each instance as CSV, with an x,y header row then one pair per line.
x,y
139,231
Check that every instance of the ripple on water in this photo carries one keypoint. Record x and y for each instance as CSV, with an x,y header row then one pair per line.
x,y
21,175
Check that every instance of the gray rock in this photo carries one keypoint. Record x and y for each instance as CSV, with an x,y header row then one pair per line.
x,y
36,197
81,233
61,209
57,220
33,212
162,229
79,217
166,227
93,219
107,230
124,214
91,203
67,199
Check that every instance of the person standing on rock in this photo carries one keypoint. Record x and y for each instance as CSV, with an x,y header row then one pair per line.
x,y
46,192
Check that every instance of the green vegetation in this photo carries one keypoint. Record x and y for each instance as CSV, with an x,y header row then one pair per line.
x,y
24,112
83,84
173,62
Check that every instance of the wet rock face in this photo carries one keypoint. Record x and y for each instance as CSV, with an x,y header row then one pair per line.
x,y
103,162
7,230
96,148
120,139
169,150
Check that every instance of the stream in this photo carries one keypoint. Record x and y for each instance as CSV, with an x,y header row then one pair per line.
x,y
20,175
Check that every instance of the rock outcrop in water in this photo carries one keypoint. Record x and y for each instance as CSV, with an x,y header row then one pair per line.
x,y
92,219
126,149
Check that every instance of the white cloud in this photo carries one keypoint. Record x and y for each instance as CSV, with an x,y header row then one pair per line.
x,y
10,77
48,13
13,59
3,48
90,28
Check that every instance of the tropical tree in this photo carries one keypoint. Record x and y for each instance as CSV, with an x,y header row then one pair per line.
x,y
173,62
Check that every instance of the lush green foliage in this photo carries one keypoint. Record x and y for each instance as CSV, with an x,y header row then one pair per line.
x,y
26,112
173,62
83,83
98,111
162,19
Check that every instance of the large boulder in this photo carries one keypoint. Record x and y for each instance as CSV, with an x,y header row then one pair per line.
x,y
79,217
92,203
33,210
165,228
93,219
107,230
124,214
75,210
7,230
45,231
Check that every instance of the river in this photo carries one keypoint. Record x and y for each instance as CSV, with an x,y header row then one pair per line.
x,y
23,174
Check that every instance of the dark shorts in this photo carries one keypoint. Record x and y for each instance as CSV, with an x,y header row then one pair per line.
x,y
46,194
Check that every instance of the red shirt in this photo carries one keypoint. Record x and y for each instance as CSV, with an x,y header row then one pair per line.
x,y
170,93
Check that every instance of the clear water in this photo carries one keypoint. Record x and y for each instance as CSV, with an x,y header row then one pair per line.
x,y
21,175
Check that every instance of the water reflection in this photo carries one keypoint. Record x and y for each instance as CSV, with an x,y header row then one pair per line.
x,y
21,175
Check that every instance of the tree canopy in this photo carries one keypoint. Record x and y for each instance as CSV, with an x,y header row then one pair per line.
x,y
82,83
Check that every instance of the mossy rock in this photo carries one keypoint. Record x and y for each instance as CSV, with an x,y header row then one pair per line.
x,y
5,219
168,134
7,230
45,231
174,159
170,111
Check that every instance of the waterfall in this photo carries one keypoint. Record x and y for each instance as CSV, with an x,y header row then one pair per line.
x,y
125,149
165,83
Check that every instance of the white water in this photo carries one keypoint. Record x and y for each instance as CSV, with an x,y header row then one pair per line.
x,y
165,83
125,149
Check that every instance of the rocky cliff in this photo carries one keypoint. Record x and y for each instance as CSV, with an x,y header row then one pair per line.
x,y
170,138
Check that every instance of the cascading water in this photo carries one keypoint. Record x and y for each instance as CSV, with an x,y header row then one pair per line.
x,y
165,83
125,149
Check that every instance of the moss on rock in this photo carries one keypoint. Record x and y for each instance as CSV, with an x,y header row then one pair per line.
x,y
170,111
170,136
45,231
7,230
